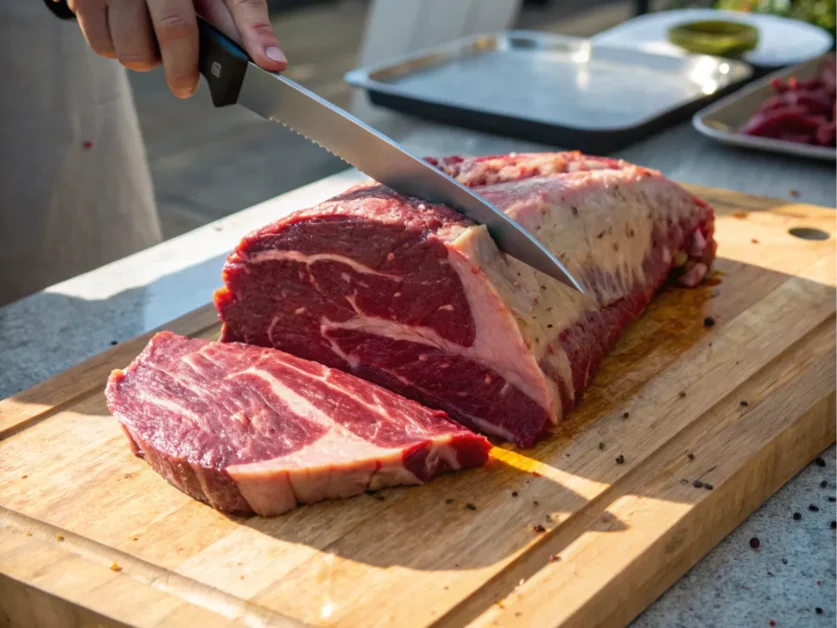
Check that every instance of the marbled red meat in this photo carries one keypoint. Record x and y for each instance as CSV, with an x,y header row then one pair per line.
x,y
250,429
414,297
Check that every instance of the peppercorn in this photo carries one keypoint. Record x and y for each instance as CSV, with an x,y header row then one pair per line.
x,y
690,456
539,528
708,486
601,445
682,394
834,525
620,459
813,508
797,516
754,542
625,415
824,484
818,610
832,499
820,462
709,321
514,493
470,506
697,484
744,404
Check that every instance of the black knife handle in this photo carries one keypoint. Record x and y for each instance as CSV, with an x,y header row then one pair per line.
x,y
60,9
223,64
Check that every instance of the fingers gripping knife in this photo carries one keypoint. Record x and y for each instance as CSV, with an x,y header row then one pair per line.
x,y
233,78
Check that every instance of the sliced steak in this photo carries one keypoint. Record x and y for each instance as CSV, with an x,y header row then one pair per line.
x,y
249,429
413,296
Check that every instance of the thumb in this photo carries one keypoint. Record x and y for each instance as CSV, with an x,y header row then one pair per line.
x,y
256,32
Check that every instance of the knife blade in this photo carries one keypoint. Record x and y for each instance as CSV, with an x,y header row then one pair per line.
x,y
233,78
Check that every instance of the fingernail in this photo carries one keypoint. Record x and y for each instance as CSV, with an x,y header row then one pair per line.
x,y
274,54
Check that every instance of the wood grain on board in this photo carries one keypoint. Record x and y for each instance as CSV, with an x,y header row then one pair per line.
x,y
741,406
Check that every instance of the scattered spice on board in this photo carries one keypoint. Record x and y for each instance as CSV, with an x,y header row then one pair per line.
x,y
708,486
818,610
797,516
744,404
832,499
834,525
682,394
113,343
115,567
620,459
820,462
754,241
23,477
784,561
534,503
514,493
708,321
824,484
470,506
684,481
448,501
754,542
601,445
538,528
813,508
697,484
690,456
626,414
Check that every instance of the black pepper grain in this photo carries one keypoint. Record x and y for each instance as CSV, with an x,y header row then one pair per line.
x,y
834,525
626,414
832,499
813,508
820,462
682,394
708,321
470,506
708,486
697,484
538,528
818,610
514,493
744,404
754,542
690,456
620,459
601,445
113,343
448,501
797,516
534,503
824,484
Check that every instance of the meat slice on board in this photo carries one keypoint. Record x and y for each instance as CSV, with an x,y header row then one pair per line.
x,y
250,429
414,297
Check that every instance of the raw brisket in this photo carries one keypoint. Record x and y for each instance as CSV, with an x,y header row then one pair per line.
x,y
248,429
414,297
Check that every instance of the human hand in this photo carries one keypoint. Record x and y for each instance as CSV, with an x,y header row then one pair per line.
x,y
141,34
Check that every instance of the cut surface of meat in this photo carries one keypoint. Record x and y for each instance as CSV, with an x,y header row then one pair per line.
x,y
413,296
251,429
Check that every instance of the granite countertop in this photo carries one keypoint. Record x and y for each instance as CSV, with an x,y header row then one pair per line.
x,y
792,572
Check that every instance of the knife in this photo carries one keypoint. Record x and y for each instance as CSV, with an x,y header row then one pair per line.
x,y
233,78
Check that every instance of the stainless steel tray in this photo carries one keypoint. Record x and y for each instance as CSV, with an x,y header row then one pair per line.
x,y
721,120
550,88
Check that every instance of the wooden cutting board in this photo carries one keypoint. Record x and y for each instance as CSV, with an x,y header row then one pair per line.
x,y
90,530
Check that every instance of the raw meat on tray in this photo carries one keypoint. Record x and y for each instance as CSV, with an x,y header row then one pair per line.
x,y
414,297
249,429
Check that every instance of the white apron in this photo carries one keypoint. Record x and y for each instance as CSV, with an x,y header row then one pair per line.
x,y
75,189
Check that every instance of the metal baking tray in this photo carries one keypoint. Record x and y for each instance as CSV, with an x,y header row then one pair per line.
x,y
721,120
552,89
